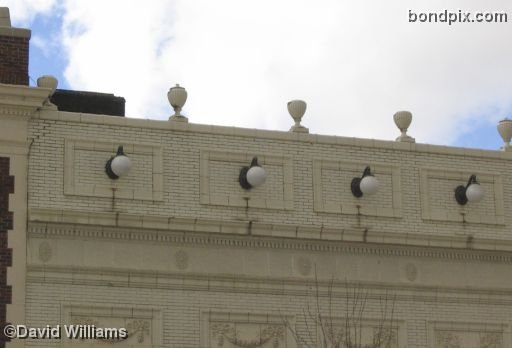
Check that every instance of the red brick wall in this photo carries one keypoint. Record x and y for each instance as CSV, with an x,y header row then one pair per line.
x,y
14,60
6,187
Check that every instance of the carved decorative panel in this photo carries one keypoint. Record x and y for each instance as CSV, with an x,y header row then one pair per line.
x,y
247,330
368,333
84,170
332,193
220,186
438,199
144,326
467,335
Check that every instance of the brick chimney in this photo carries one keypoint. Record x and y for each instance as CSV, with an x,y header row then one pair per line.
x,y
13,51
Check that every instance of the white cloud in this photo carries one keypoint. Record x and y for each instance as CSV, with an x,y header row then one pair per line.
x,y
113,46
24,11
42,44
355,63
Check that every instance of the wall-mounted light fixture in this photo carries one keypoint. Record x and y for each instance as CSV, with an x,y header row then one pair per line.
x,y
472,192
365,185
118,165
252,176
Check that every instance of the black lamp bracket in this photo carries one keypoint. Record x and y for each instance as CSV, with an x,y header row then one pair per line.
x,y
460,191
108,165
242,178
355,184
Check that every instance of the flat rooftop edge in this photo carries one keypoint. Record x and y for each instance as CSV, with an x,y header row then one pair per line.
x,y
15,32
267,134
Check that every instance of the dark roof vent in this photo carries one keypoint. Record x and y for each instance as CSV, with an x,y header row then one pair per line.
x,y
88,102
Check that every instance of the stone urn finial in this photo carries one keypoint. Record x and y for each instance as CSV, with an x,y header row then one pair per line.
x,y
505,130
51,82
177,98
297,109
403,120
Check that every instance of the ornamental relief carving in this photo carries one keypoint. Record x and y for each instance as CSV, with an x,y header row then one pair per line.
x,y
304,265
139,330
45,252
181,259
362,335
245,335
100,326
245,330
462,339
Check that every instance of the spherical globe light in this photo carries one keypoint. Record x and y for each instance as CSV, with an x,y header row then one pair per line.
x,y
369,185
475,193
256,176
121,165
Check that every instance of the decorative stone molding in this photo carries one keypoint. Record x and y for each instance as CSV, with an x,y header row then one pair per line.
x,y
87,276
144,326
245,330
394,331
411,272
181,259
333,178
438,202
84,173
303,265
61,223
45,251
17,111
463,335
21,101
275,135
219,181
14,147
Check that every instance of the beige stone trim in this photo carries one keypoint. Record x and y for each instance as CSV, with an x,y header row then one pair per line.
x,y
123,278
21,100
15,32
274,135
13,147
119,226
107,187
398,325
244,198
468,327
429,212
248,318
320,205
114,317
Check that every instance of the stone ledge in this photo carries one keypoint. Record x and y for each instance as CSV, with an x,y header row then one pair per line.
x,y
118,226
259,285
15,32
271,134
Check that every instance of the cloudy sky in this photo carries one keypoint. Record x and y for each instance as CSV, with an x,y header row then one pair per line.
x,y
354,63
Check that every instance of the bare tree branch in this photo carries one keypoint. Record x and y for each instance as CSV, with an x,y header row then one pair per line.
x,y
322,330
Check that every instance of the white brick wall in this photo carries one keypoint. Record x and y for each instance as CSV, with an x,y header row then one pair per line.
x,y
182,309
127,266
181,174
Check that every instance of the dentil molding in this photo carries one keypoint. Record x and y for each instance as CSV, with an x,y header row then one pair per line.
x,y
250,234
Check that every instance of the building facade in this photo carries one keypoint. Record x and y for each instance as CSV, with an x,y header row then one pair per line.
x,y
182,256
